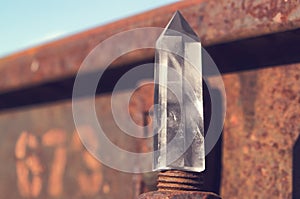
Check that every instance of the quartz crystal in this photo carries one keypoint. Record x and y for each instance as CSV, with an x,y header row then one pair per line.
x,y
178,112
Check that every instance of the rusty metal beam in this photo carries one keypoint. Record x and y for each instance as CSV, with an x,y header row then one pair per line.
x,y
216,21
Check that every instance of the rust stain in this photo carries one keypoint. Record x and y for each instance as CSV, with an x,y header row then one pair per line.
x,y
269,9
20,150
28,166
55,184
248,91
90,182
106,188
54,137
76,142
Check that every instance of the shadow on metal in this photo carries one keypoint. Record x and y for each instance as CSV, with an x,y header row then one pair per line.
x,y
213,163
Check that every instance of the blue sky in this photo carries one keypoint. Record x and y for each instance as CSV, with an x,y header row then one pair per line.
x,y
28,23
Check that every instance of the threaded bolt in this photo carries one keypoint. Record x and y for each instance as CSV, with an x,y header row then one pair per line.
x,y
175,180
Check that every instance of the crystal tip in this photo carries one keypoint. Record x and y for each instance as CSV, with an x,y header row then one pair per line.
x,y
179,24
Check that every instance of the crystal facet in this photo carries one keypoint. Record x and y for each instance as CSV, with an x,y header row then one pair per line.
x,y
178,113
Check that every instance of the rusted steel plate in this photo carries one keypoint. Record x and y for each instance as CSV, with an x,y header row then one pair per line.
x,y
42,156
179,195
216,21
261,128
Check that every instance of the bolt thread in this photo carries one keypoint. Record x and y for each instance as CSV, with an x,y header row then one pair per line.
x,y
175,180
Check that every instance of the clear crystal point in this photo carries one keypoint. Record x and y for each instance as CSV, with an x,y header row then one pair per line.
x,y
178,113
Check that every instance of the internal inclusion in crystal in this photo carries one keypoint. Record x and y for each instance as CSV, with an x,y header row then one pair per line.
x,y
179,140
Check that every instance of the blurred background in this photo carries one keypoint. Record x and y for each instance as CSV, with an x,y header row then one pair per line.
x,y
255,45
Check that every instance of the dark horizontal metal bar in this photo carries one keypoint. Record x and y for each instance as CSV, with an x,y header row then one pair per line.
x,y
254,53
248,54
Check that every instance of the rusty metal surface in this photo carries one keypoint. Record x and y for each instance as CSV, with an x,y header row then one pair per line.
x,y
215,22
42,156
179,195
261,128
262,121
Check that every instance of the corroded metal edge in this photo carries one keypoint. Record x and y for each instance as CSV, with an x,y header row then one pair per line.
x,y
215,21
179,195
